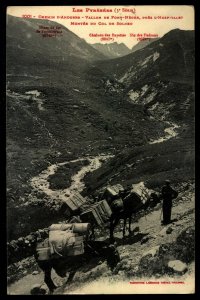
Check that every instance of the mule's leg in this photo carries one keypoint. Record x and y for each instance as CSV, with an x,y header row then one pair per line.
x,y
129,226
48,280
113,222
71,276
92,236
124,229
111,228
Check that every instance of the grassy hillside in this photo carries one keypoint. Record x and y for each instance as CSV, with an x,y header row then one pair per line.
x,y
83,110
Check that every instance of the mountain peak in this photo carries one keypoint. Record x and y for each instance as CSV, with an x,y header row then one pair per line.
x,y
179,33
143,43
69,44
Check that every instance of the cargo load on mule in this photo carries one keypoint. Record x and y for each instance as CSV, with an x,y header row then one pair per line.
x,y
73,203
112,192
64,240
129,202
68,239
143,192
138,196
97,214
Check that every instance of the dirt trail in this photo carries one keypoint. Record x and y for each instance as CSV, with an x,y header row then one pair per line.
x,y
101,280
25,284
132,250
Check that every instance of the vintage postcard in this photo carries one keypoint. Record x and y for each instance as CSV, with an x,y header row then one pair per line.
x,y
100,149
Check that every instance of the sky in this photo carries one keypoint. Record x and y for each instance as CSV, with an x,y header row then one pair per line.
x,y
149,26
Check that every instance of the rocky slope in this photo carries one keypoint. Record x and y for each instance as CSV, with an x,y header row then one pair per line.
x,y
137,110
170,58
151,253
160,78
59,107
143,43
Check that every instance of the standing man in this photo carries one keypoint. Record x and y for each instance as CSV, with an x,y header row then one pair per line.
x,y
167,194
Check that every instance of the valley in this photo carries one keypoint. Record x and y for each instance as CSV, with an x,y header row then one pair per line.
x,y
80,118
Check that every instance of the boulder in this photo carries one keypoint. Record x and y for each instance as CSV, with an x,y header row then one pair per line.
x,y
20,267
30,238
152,251
177,266
169,230
35,273
20,240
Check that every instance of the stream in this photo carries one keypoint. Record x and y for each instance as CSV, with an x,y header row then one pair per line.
x,y
41,183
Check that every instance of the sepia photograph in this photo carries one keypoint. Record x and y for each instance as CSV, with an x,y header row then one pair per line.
x,y
100,149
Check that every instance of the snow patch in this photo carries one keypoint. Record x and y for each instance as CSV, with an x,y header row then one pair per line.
x,y
150,97
146,60
144,89
76,90
127,74
108,82
134,96
170,133
156,56
34,93
124,77
171,130
154,106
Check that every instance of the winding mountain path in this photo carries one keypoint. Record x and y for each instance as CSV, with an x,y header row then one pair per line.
x,y
100,279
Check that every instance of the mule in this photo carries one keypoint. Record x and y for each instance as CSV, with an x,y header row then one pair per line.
x,y
132,204
94,251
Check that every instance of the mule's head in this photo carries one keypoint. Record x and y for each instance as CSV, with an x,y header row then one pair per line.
x,y
152,201
155,198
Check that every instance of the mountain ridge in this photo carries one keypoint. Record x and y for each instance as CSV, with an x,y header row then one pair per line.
x,y
143,43
64,107
74,45
112,50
